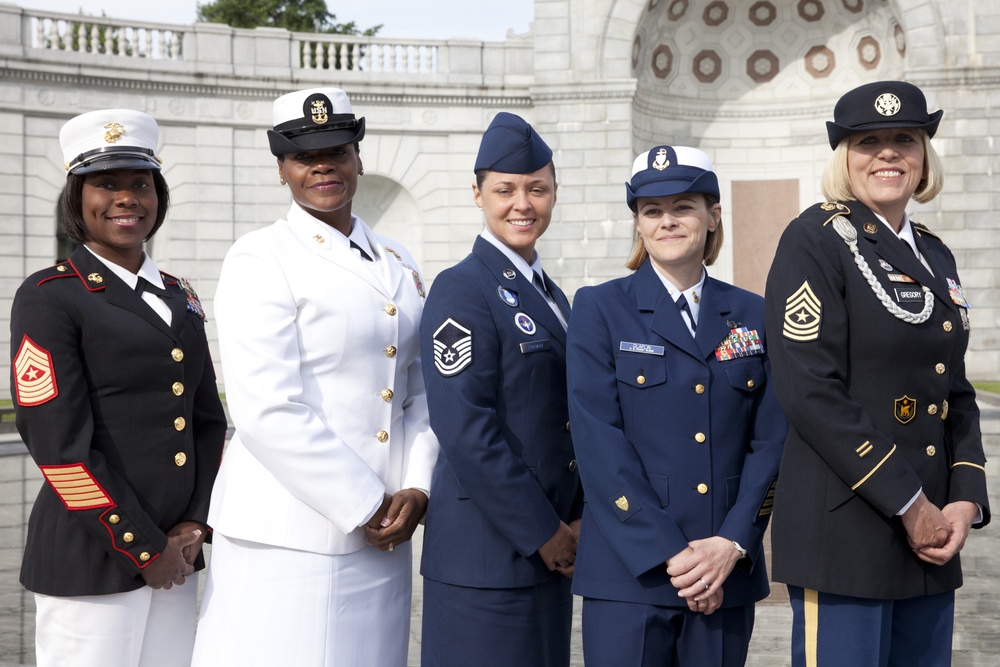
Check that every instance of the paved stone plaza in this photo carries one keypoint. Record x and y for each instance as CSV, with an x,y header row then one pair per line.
x,y
977,624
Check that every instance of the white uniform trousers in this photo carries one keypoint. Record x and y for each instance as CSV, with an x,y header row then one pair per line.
x,y
142,628
266,605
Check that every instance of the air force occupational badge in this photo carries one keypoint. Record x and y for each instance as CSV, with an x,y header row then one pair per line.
x,y
452,348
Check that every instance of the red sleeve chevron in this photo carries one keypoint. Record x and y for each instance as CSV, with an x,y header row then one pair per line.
x,y
36,378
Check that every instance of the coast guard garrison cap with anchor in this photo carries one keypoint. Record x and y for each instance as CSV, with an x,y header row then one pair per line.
x,y
663,171
511,146
109,139
881,105
312,119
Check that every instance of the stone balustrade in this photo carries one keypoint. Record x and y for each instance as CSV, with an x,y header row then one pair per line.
x,y
273,53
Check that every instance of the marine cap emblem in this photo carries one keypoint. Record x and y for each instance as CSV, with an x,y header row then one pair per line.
x,y
114,132
95,278
887,104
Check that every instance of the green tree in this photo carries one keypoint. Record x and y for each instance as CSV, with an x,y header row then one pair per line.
x,y
293,15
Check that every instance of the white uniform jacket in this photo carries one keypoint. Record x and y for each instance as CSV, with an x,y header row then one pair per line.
x,y
320,354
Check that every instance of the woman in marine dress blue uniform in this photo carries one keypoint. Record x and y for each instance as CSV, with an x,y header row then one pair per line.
x,y
883,471
116,400
677,432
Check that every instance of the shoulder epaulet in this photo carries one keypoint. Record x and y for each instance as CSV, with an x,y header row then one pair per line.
x,y
60,270
827,211
921,228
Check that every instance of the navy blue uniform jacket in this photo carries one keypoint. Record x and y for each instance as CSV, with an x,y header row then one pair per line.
x,y
878,407
121,413
673,444
505,476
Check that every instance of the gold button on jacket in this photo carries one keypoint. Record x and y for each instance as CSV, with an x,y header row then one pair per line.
x,y
180,458
390,351
180,423
113,519
703,489
390,309
382,436
177,354
699,389
387,395
128,537
177,388
939,369
931,450
699,437
144,556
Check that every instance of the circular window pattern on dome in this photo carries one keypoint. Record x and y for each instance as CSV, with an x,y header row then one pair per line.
x,y
869,52
663,61
707,66
820,61
811,10
652,5
715,13
636,46
677,9
900,38
762,66
854,6
762,13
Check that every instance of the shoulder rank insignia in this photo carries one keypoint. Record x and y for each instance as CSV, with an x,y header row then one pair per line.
x,y
452,348
36,377
922,230
803,311
193,303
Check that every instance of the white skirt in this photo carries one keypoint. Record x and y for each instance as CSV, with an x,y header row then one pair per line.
x,y
267,605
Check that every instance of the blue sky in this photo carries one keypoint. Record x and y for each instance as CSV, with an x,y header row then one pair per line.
x,y
425,19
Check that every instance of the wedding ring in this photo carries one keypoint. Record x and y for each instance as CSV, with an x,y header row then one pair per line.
x,y
707,585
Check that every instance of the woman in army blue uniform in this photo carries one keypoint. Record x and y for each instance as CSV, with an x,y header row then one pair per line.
x,y
500,534
677,432
116,400
883,471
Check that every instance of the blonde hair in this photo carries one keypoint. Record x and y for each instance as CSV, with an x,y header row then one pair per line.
x,y
837,177
713,243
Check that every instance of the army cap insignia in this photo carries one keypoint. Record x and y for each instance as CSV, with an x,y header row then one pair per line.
x,y
507,296
803,311
452,348
887,104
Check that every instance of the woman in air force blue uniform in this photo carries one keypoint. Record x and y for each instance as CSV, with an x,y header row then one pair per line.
x,y
677,432
883,471
501,529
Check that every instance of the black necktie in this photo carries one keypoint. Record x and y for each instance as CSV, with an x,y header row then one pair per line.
x,y
364,255
682,303
143,285
540,284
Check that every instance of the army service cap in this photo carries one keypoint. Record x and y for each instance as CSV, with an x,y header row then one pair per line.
x,y
881,105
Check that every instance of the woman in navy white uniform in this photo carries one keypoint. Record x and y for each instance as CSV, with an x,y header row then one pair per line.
x,y
883,472
329,470
677,433
501,529
116,400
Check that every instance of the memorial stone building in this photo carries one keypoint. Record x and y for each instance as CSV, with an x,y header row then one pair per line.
x,y
749,82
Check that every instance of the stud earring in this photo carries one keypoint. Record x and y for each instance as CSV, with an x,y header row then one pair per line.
x,y
282,180
361,172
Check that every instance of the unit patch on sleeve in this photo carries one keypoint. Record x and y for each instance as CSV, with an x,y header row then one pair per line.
x,y
76,487
802,314
36,378
452,348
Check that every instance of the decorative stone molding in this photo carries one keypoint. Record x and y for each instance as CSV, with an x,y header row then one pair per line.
x,y
662,61
707,66
820,61
869,52
810,10
715,13
762,13
762,66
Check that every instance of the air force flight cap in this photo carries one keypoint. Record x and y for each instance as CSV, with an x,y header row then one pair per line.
x,y
663,171
511,146
881,105
313,119
109,139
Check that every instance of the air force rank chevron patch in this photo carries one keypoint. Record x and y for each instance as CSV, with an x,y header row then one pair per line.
x,y
452,348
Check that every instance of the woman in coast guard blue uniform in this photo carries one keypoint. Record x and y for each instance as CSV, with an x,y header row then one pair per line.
x,y
677,432
883,471
501,527
116,400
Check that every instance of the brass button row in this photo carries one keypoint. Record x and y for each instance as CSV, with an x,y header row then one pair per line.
x,y
390,309
177,388
387,395
382,436
177,354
